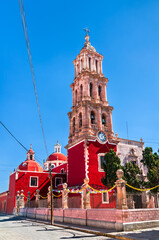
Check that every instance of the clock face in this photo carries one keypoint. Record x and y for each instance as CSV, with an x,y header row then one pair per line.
x,y
102,136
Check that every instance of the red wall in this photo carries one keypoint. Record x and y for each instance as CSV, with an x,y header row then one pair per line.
x,y
96,201
11,194
94,148
3,202
76,165
22,183
58,168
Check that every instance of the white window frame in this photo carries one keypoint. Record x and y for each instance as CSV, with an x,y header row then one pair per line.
x,y
37,181
100,169
107,198
58,178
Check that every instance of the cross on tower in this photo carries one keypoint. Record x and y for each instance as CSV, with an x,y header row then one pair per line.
x,y
86,30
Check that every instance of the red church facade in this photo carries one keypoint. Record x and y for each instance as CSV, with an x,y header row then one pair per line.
x,y
29,177
90,137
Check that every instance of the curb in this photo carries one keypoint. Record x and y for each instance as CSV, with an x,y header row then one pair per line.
x,y
83,230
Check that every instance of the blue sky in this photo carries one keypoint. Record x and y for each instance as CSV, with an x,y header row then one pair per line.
x,y
125,32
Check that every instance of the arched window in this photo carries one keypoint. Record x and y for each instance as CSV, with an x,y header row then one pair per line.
x,y
31,157
92,117
77,69
89,61
81,64
81,92
76,96
96,66
91,89
73,125
103,119
99,91
80,120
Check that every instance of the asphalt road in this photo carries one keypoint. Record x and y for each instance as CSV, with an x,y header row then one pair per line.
x,y
15,228
12,228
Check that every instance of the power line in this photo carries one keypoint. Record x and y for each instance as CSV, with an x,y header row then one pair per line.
x,y
17,140
31,64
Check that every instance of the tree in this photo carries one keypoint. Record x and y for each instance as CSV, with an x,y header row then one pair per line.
x,y
111,164
131,173
151,161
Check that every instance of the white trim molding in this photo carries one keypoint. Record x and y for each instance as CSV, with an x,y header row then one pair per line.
x,y
105,198
99,162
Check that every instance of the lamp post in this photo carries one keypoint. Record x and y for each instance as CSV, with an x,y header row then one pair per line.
x,y
52,217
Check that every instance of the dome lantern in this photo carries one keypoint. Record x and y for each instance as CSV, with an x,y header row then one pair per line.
x,y
57,147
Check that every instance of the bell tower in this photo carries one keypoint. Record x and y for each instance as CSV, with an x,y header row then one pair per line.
x,y
90,119
91,112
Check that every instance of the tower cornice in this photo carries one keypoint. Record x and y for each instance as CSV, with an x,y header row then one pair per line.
x,y
87,72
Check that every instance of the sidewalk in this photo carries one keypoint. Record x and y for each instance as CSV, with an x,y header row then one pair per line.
x,y
143,234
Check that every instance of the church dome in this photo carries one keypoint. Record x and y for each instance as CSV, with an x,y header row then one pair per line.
x,y
30,164
57,156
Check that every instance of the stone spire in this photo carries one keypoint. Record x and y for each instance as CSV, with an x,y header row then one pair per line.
x,y
90,112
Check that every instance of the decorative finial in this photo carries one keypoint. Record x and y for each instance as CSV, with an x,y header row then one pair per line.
x,y
30,146
141,139
57,141
87,36
116,135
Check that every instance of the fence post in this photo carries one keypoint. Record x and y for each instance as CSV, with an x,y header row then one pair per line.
x,y
28,199
121,191
49,197
158,200
21,200
86,195
151,203
17,203
145,199
64,196
37,196
130,202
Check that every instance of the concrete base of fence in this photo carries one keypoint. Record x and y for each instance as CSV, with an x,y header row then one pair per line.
x,y
119,220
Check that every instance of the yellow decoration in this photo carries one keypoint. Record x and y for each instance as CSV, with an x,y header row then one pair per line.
x,y
142,190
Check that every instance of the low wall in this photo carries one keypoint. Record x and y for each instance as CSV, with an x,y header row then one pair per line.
x,y
120,220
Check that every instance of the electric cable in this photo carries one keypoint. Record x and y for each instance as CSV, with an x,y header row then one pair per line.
x,y
17,140
22,11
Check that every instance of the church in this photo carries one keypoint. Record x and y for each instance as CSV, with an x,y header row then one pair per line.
x,y
90,137
90,122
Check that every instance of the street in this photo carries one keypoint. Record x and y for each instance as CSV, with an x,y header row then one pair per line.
x,y
16,228
13,228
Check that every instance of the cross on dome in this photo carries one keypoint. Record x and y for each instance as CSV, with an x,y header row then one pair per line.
x,y
86,31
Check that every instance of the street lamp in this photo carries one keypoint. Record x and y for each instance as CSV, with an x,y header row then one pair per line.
x,y
52,217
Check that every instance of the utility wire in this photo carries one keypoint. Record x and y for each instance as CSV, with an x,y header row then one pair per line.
x,y
17,140
31,64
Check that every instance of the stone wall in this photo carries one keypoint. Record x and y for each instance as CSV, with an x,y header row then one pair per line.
x,y
129,150
120,220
